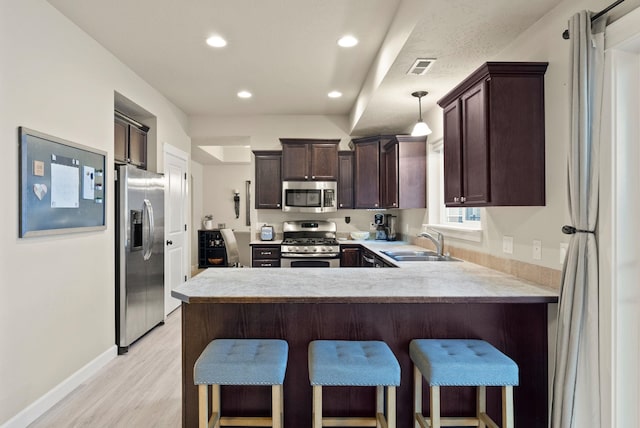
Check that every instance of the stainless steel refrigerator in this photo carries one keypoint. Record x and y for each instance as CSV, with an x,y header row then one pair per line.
x,y
139,253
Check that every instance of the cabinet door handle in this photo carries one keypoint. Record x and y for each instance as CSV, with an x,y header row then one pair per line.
x,y
375,205
340,205
306,177
368,260
266,253
169,242
266,264
462,199
313,177
278,205
456,199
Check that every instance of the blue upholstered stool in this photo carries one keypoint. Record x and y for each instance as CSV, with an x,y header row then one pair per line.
x,y
353,363
240,362
461,362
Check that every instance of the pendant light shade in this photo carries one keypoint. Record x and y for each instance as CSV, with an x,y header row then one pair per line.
x,y
420,129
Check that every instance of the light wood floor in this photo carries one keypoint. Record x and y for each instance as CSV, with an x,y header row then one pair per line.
x,y
138,389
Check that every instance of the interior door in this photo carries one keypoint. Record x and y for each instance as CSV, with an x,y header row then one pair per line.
x,y
176,242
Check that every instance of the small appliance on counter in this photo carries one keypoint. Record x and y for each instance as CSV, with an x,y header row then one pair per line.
x,y
381,231
390,225
267,233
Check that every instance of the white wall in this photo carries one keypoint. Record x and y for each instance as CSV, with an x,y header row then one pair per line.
x,y
197,199
57,306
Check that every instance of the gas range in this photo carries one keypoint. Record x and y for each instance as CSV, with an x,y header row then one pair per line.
x,y
309,239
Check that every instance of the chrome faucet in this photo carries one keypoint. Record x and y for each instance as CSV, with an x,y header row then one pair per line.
x,y
438,242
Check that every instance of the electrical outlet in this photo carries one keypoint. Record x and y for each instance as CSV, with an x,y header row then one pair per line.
x,y
564,247
507,244
537,249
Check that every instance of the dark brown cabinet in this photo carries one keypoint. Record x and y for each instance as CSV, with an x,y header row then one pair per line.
x,y
366,171
130,143
369,259
267,256
309,159
494,137
268,179
350,256
404,175
345,179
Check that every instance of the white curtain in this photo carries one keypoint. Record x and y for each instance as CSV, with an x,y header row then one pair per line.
x,y
575,397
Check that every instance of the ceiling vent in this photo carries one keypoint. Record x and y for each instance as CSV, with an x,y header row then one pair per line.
x,y
421,66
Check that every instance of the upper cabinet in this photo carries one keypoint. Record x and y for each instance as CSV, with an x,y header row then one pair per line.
x,y
345,179
404,175
268,179
494,137
309,159
366,179
130,143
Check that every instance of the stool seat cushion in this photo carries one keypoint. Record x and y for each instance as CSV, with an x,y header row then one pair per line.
x,y
462,362
352,363
242,362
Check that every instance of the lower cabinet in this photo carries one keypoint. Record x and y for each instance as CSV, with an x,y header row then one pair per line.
x,y
266,256
358,256
350,256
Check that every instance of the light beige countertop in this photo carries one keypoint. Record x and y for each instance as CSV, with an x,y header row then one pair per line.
x,y
411,282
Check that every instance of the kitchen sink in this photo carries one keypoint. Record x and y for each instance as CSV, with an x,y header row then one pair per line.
x,y
418,256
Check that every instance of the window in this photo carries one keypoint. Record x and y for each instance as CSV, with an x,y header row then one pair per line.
x,y
442,218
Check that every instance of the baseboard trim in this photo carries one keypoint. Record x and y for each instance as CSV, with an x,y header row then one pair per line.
x,y
55,395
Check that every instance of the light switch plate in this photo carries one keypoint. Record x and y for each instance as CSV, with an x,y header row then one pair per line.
x,y
537,249
564,247
507,244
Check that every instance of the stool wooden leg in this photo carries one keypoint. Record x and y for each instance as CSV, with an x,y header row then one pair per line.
x,y
203,411
379,404
317,406
481,405
282,403
215,405
507,406
417,395
276,405
434,400
391,407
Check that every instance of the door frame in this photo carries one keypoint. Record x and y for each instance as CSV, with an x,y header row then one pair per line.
x,y
618,238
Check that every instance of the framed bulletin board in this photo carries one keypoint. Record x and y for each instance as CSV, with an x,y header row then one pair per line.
x,y
62,185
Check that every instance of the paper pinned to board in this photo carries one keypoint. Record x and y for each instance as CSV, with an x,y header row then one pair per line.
x,y
88,182
65,186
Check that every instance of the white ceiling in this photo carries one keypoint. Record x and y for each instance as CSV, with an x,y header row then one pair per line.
x,y
285,51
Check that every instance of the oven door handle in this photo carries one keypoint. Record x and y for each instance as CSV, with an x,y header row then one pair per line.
x,y
310,255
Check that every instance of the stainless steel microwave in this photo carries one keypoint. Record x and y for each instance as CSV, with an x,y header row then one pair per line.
x,y
309,196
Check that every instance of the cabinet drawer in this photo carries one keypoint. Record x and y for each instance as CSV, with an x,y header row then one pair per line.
x,y
266,263
271,253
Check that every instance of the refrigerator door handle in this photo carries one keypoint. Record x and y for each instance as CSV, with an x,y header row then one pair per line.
x,y
148,240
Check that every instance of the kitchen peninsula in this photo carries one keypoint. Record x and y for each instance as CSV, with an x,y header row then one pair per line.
x,y
417,300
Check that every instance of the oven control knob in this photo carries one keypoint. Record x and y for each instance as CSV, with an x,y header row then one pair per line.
x,y
315,249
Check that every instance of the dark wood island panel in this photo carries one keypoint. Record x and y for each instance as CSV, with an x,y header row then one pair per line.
x,y
517,329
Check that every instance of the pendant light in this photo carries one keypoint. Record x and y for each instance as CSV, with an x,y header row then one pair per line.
x,y
420,129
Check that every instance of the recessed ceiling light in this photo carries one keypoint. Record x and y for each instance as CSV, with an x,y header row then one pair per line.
x,y
347,41
216,42
244,94
334,94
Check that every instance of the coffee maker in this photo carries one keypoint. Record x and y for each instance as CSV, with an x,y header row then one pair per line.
x,y
381,229
390,226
